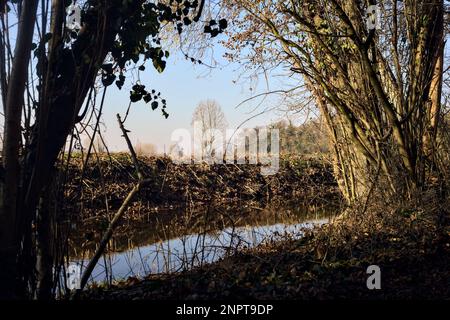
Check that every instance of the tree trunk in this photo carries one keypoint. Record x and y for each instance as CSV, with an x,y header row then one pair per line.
x,y
12,140
44,256
435,88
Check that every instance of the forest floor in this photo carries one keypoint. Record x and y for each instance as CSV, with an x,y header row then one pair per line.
x,y
410,242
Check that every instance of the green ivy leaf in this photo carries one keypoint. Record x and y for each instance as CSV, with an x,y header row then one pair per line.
x,y
159,65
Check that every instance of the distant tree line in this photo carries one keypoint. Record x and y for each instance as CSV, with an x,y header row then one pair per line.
x,y
308,139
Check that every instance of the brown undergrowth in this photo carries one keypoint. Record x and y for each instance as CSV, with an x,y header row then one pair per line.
x,y
409,241
186,198
100,189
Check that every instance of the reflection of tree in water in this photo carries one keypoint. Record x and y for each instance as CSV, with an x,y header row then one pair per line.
x,y
188,251
171,224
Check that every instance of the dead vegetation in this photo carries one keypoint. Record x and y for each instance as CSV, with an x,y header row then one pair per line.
x,y
100,188
410,241
184,199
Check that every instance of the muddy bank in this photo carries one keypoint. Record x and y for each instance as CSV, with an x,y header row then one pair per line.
x,y
100,190
188,199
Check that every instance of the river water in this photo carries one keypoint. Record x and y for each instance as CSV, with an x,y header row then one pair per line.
x,y
186,251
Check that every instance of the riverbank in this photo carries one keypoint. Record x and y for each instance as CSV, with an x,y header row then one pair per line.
x,y
410,242
187,198
102,185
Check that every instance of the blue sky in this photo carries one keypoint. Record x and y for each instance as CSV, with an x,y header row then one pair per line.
x,y
184,85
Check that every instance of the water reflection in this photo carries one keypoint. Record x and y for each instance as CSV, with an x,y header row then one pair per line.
x,y
191,250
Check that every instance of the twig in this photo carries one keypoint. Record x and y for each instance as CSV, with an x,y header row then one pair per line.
x,y
115,221
130,147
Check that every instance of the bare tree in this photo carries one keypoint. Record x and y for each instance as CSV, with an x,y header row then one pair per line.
x,y
12,140
45,97
377,83
211,123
